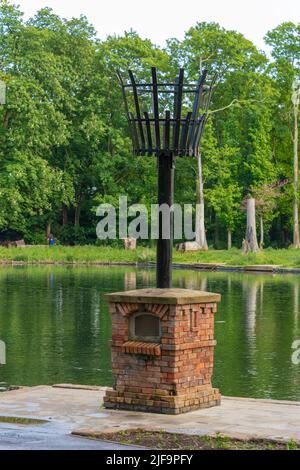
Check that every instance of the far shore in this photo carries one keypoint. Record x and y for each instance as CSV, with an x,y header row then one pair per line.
x,y
268,260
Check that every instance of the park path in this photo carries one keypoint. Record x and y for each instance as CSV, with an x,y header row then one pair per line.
x,y
69,409
18,437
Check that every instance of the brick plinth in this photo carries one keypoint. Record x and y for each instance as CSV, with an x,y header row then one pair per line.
x,y
173,374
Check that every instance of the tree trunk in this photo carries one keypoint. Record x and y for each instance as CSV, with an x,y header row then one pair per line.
x,y
217,237
296,240
229,240
77,215
6,119
48,230
261,241
65,215
200,223
250,243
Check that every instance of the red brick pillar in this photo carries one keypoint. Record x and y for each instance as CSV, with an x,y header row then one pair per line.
x,y
162,350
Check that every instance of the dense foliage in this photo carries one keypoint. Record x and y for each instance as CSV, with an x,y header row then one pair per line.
x,y
64,145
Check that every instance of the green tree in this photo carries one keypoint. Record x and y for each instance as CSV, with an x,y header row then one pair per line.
x,y
285,69
241,105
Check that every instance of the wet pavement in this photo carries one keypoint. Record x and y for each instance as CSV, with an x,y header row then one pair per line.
x,y
70,409
17,437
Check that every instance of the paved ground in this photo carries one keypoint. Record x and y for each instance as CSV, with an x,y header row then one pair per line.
x,y
80,410
16,437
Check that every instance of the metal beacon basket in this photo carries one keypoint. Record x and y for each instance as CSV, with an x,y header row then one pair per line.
x,y
166,120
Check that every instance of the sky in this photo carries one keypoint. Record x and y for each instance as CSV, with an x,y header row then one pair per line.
x,y
161,19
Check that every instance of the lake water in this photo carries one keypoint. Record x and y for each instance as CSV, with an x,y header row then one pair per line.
x,y
56,326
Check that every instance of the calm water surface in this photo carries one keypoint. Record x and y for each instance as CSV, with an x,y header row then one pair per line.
x,y
56,326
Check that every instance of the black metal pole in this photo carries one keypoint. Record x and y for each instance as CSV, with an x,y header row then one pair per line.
x,y
165,196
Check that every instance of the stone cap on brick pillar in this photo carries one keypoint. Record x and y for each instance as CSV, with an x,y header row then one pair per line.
x,y
164,296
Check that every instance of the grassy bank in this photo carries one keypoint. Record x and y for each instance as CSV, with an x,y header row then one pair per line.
x,y
73,254
94,255
161,440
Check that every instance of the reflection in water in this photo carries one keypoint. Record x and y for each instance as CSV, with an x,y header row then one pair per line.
x,y
95,307
146,277
51,280
296,304
229,284
130,281
203,283
250,290
196,281
261,295
56,325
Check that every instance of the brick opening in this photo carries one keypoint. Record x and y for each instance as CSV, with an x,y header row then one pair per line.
x,y
144,326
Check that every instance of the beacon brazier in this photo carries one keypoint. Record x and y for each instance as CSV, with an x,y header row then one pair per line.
x,y
162,350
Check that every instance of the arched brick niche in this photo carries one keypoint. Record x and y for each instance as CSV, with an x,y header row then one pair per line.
x,y
162,350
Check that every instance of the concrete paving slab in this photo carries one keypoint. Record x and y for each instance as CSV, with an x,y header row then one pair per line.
x,y
80,410
14,437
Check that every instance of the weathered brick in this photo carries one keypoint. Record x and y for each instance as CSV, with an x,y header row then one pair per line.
x,y
173,376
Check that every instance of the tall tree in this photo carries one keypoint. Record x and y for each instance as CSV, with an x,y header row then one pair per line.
x,y
285,43
250,244
295,101
30,126
239,103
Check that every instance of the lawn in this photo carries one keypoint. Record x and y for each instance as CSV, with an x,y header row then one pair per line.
x,y
93,255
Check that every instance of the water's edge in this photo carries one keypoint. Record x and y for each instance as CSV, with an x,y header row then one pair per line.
x,y
257,269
